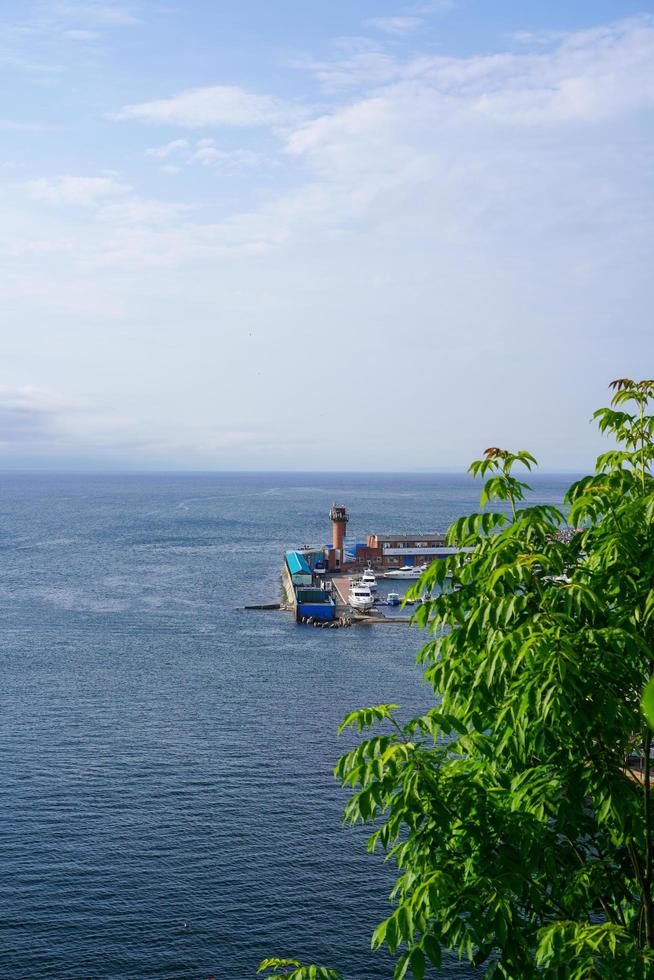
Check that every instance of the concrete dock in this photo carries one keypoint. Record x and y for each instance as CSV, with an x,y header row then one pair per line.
x,y
341,587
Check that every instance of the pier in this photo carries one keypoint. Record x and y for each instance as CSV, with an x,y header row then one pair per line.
x,y
316,581
341,586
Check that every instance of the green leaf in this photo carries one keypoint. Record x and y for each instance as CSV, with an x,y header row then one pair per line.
x,y
648,702
417,960
401,967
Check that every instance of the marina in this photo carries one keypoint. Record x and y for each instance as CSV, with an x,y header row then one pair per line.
x,y
340,583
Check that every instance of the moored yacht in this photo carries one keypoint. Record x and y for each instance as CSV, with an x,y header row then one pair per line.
x,y
368,578
406,572
360,596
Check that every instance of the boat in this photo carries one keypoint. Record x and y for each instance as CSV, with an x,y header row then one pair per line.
x,y
368,578
393,598
360,596
406,572
416,600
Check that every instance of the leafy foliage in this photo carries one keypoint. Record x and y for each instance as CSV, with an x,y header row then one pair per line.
x,y
518,809
295,971
648,702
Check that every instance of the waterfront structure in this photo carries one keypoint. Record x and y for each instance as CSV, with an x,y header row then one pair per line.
x,y
306,574
308,597
409,549
379,551
339,518
298,569
317,603
388,551
314,557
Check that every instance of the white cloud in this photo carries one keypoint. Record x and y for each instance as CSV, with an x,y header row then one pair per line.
x,y
88,12
44,428
227,161
82,35
134,211
360,64
456,139
26,415
537,38
110,201
205,152
37,42
215,105
81,192
586,76
165,151
434,7
395,25
24,126
483,145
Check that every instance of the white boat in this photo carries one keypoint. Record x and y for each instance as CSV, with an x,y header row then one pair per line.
x,y
406,572
393,598
360,596
368,578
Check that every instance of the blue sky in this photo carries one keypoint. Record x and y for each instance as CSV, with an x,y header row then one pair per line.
x,y
345,235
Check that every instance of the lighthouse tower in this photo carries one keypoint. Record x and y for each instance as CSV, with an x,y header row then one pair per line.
x,y
338,517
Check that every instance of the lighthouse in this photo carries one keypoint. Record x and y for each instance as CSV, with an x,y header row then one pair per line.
x,y
338,517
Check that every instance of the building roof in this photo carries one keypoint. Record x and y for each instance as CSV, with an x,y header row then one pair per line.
x,y
431,536
439,551
297,564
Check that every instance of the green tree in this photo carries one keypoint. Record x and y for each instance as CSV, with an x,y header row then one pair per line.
x,y
518,810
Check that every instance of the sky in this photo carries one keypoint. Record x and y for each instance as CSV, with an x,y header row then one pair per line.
x,y
344,235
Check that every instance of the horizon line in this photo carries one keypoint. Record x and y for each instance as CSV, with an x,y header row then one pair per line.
x,y
99,471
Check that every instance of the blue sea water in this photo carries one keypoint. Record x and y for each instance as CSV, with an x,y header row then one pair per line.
x,y
167,806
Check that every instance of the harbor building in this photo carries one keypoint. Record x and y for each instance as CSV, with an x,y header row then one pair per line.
x,y
409,549
308,596
379,550
388,551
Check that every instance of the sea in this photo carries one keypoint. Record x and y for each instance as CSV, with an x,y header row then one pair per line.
x,y
167,800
